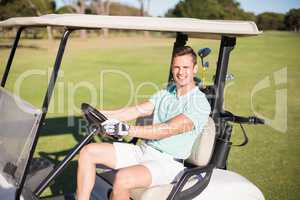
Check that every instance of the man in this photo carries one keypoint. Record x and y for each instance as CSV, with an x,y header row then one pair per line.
x,y
179,114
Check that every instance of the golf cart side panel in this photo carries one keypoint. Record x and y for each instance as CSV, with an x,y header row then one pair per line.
x,y
224,185
19,122
191,26
228,185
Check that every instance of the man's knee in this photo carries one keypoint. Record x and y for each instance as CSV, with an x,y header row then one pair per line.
x,y
84,153
95,153
123,180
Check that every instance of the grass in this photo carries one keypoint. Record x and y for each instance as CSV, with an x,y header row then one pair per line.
x,y
270,160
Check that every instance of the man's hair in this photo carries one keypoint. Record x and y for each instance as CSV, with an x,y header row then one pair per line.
x,y
185,50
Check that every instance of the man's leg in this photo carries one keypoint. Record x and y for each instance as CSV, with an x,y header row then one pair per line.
x,y
90,155
129,178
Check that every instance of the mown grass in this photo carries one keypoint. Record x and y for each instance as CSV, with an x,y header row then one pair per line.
x,y
270,160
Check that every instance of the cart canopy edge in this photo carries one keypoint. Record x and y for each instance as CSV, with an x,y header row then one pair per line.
x,y
193,27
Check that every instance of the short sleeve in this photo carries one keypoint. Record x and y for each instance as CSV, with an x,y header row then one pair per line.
x,y
197,109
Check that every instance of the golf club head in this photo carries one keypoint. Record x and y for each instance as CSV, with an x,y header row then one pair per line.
x,y
206,64
203,52
229,77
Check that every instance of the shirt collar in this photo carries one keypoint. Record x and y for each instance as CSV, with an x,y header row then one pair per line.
x,y
172,90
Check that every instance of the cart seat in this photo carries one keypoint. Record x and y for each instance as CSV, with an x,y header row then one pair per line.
x,y
18,125
200,156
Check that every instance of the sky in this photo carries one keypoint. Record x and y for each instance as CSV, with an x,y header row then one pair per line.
x,y
160,7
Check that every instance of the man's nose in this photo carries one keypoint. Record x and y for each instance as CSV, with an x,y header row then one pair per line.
x,y
180,71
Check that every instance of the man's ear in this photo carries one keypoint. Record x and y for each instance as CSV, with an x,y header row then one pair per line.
x,y
195,69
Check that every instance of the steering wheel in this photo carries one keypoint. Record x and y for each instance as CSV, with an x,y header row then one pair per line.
x,y
92,115
94,119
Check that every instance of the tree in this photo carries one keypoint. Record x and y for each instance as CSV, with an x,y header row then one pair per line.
x,y
101,8
98,6
292,20
77,6
65,9
143,13
209,9
141,7
270,21
123,10
41,7
16,8
231,10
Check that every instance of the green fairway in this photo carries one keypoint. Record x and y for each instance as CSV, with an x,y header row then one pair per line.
x,y
115,72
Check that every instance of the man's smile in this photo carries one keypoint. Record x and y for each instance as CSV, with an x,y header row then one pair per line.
x,y
180,77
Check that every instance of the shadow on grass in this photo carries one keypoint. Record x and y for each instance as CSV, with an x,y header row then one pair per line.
x,y
9,46
66,181
64,125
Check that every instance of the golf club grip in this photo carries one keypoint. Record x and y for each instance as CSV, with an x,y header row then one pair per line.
x,y
256,120
228,116
248,120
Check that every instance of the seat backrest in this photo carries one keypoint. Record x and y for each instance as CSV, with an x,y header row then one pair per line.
x,y
203,145
18,126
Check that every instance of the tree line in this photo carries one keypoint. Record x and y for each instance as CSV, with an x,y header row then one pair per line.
x,y
18,8
21,8
231,10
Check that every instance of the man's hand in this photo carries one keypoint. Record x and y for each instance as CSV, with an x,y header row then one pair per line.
x,y
115,127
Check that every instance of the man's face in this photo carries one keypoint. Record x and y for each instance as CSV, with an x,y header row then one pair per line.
x,y
183,70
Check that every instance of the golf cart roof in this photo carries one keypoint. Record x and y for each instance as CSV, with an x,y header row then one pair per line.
x,y
192,27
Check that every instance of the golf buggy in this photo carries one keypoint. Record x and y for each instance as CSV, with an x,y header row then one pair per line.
x,y
206,176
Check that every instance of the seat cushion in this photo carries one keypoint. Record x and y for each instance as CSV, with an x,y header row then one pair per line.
x,y
160,192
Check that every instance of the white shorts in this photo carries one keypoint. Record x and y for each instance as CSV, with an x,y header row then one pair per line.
x,y
163,168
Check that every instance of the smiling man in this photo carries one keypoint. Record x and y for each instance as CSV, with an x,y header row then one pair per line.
x,y
179,114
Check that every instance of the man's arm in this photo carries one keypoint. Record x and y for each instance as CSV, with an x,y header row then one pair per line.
x,y
178,124
130,113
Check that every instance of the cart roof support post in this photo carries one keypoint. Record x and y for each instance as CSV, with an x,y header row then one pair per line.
x,y
226,46
45,106
221,151
11,56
